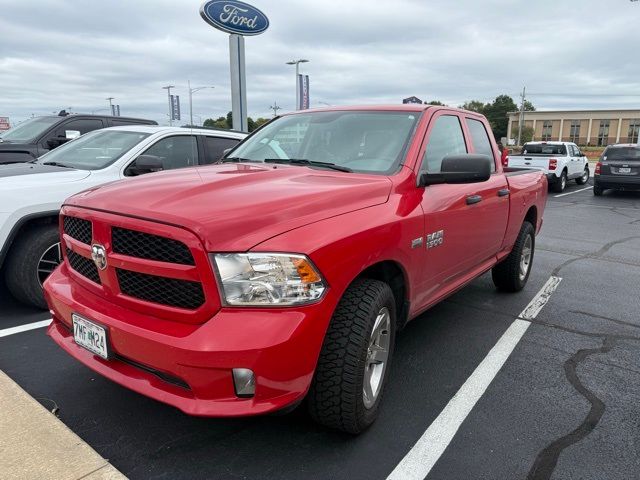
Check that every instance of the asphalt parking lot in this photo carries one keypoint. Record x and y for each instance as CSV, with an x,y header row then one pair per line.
x,y
564,405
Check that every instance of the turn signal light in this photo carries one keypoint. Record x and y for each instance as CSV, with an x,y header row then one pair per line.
x,y
598,168
553,164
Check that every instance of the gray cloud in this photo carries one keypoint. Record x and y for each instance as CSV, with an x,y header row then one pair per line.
x,y
570,54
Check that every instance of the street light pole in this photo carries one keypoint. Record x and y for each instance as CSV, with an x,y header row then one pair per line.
x,y
191,92
110,104
297,64
168,89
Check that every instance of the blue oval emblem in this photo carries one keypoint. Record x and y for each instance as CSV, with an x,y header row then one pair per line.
x,y
233,16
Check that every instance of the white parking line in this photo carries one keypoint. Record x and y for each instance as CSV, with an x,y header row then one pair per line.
x,y
24,328
429,448
571,193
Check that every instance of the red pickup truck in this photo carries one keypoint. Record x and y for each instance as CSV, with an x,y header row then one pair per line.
x,y
287,270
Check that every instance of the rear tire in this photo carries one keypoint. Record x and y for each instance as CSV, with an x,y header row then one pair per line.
x,y
512,273
353,367
559,185
597,190
585,176
24,260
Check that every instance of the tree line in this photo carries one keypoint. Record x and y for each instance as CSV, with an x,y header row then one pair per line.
x,y
496,113
226,123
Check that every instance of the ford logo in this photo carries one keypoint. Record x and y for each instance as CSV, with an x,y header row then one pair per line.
x,y
234,17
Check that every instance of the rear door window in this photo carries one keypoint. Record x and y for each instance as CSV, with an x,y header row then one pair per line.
x,y
480,139
215,147
177,151
446,138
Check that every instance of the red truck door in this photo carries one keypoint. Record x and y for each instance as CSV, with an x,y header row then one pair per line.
x,y
493,209
464,224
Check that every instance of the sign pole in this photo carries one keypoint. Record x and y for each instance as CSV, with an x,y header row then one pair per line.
x,y
238,83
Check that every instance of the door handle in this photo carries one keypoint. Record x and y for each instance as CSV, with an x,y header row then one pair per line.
x,y
503,193
471,199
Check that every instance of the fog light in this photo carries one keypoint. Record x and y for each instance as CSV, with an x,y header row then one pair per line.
x,y
244,382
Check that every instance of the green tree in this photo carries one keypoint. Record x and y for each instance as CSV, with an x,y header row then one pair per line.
x,y
528,107
496,113
436,102
474,106
527,134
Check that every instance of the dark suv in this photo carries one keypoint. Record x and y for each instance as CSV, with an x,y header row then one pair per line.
x,y
618,169
36,136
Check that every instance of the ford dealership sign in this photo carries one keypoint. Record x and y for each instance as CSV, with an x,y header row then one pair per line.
x,y
233,16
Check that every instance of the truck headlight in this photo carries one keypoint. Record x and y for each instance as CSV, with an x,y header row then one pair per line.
x,y
268,278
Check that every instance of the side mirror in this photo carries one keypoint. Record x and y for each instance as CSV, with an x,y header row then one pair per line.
x,y
466,168
146,164
226,150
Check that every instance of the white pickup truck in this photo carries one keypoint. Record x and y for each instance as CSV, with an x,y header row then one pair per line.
x,y
31,194
561,161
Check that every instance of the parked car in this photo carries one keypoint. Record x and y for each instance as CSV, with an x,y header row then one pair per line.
x,y
241,288
561,161
618,169
36,136
31,193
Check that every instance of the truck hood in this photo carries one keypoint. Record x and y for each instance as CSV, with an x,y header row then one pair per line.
x,y
233,207
30,175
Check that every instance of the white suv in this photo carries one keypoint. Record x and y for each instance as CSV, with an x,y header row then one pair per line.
x,y
31,194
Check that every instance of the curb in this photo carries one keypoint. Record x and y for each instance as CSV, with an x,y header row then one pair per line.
x,y
34,444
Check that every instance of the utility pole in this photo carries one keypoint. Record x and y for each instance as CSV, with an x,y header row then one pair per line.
x,y
275,109
110,104
168,89
521,116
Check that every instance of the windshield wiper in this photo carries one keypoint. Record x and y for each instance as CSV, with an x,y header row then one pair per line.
x,y
312,163
56,164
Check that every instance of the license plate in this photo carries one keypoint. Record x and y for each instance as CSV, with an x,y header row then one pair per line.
x,y
90,336
624,170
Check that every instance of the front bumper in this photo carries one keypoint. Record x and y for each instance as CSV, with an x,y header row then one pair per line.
x,y
189,366
618,182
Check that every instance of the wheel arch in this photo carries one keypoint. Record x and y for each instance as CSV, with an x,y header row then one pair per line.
x,y
25,223
532,216
393,274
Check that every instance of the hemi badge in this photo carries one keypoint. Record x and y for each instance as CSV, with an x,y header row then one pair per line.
x,y
416,242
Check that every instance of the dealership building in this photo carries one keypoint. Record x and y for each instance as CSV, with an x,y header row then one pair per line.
x,y
583,127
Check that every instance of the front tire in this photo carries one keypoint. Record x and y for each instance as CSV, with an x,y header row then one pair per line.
x,y
34,255
559,185
354,361
512,273
585,176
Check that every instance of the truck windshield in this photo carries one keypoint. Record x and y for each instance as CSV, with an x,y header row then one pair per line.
x,y
543,149
360,141
622,153
94,150
29,130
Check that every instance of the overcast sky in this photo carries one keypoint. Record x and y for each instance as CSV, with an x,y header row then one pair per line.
x,y
56,54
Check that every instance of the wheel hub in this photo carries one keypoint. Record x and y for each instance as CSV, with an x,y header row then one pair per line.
x,y
50,259
525,258
377,357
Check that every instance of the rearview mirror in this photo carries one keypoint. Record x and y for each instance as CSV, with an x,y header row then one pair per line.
x,y
466,168
56,141
147,164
